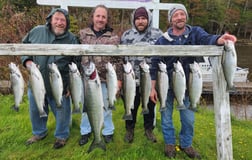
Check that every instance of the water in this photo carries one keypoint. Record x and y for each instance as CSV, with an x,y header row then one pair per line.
x,y
244,58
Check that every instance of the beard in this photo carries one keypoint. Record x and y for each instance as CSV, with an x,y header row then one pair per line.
x,y
180,25
58,31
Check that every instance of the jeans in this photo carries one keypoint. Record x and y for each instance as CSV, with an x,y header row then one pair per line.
x,y
186,119
62,116
149,119
108,128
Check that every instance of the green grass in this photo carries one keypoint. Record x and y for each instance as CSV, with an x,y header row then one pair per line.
x,y
15,129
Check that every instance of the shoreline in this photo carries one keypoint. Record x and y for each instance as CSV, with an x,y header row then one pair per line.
x,y
244,42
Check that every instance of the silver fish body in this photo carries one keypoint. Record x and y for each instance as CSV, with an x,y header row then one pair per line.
x,y
112,85
162,85
145,86
93,102
229,64
17,85
129,90
76,87
195,85
179,84
38,88
56,83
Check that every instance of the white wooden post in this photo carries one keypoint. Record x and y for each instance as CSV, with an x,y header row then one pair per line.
x,y
222,112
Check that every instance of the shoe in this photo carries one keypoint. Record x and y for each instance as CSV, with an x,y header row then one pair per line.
x,y
108,138
129,136
170,151
59,143
150,136
84,139
190,152
34,139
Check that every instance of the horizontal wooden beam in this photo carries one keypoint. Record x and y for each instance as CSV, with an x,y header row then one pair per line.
x,y
110,50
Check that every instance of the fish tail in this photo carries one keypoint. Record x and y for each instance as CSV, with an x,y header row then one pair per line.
x,y
231,89
99,144
193,108
128,117
181,107
43,114
76,110
59,103
111,107
163,108
15,108
145,111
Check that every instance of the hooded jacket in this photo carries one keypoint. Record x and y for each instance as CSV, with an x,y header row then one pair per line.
x,y
148,37
42,34
193,35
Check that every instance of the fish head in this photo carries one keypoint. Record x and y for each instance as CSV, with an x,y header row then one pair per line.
x,y
162,67
127,68
73,67
52,67
177,66
89,68
32,67
229,45
13,67
108,66
195,68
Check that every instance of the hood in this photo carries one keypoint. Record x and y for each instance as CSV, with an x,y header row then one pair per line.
x,y
49,17
149,19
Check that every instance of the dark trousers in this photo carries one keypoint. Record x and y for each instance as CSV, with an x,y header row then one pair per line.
x,y
148,118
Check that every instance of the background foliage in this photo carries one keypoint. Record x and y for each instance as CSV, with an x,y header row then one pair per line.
x,y
17,17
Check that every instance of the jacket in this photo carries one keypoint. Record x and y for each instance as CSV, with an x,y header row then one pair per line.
x,y
43,35
148,37
87,36
193,35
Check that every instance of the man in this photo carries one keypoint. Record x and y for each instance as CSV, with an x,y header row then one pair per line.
x,y
100,32
180,34
54,32
142,33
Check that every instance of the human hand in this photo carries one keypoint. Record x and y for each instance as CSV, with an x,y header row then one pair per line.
x,y
68,93
119,87
28,64
225,37
153,95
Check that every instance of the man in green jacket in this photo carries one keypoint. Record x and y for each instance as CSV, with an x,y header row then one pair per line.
x,y
55,31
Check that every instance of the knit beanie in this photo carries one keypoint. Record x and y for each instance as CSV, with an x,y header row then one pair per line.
x,y
140,12
174,9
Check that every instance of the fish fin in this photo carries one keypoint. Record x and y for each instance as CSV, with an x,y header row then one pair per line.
x,y
99,144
